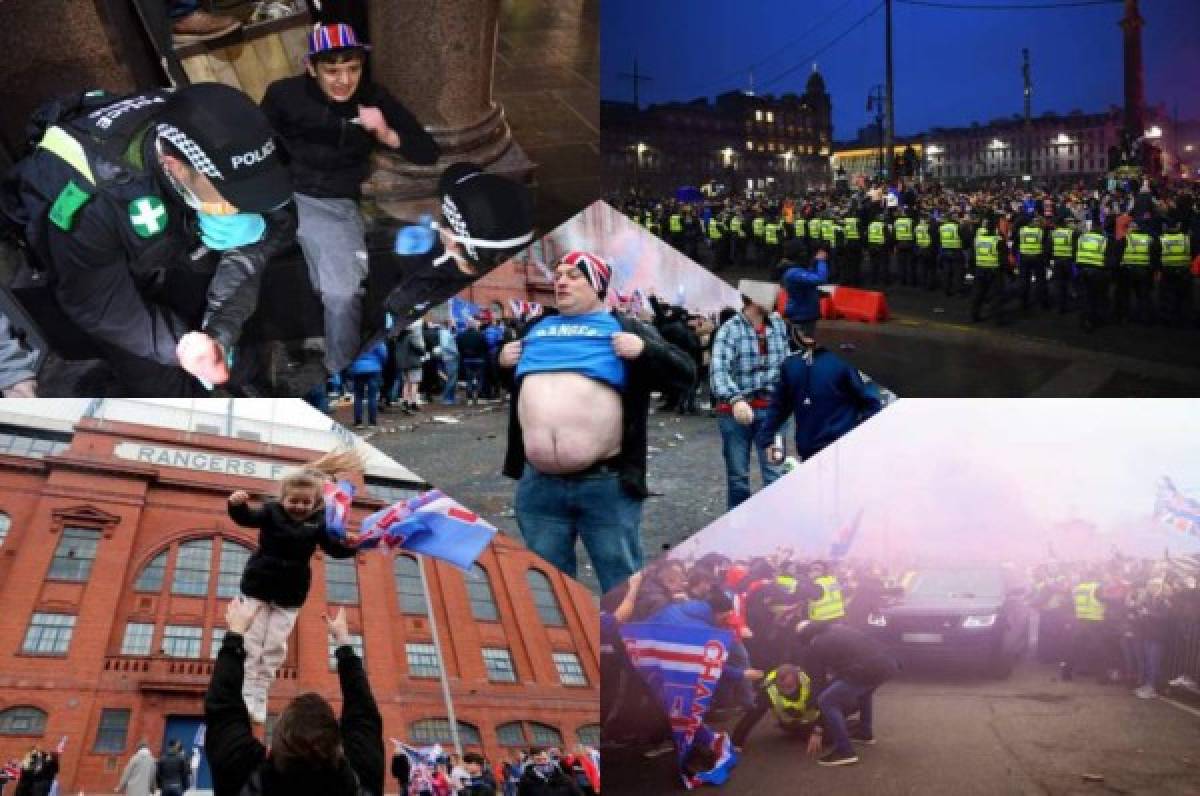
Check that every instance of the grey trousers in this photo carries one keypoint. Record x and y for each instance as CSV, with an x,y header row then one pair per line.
x,y
333,238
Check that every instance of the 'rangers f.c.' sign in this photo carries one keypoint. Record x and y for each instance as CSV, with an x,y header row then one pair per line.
x,y
199,460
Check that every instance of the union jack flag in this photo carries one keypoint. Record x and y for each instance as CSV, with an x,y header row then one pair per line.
x,y
338,498
1176,509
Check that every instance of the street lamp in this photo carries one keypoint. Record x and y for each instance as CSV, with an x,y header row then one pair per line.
x,y
1063,139
1154,132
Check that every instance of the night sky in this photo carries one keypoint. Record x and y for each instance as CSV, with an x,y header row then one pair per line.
x,y
951,67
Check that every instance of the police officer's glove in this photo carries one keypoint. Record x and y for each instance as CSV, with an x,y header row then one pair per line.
x,y
202,357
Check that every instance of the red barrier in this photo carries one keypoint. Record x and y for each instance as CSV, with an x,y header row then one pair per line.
x,y
828,311
860,305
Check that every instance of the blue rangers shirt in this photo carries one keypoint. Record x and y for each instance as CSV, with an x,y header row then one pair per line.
x,y
576,344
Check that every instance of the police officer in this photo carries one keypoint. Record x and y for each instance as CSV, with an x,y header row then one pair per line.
x,y
991,258
1087,641
800,234
923,233
830,606
737,233
787,693
1175,290
950,257
1138,264
772,240
718,240
815,240
1091,256
1031,245
675,228
905,261
879,249
835,241
154,216
1062,256
758,227
852,252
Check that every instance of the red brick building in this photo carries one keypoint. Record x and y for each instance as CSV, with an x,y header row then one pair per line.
x,y
117,559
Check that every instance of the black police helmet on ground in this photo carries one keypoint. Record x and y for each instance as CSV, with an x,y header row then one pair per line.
x,y
493,214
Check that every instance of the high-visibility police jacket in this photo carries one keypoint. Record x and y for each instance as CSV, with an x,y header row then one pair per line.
x,y
1030,240
876,233
790,710
904,230
758,226
675,223
1062,241
714,229
1089,249
787,582
987,251
850,224
924,241
1137,249
948,236
801,227
1176,250
1087,606
735,226
771,233
815,226
827,230
830,606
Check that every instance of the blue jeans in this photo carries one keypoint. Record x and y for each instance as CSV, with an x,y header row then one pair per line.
x,y
554,511
736,441
473,377
838,699
366,388
451,365
1153,652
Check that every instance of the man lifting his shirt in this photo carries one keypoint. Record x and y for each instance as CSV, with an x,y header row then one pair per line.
x,y
581,383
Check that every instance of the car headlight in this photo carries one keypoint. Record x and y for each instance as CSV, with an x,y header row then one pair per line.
x,y
878,620
986,620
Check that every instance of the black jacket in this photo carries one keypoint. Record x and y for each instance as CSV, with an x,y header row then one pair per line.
x,y
278,571
840,652
660,365
173,770
557,784
401,771
329,156
471,345
237,758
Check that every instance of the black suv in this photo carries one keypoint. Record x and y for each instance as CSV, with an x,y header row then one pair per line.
x,y
974,615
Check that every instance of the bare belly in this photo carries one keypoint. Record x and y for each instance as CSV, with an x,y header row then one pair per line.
x,y
568,422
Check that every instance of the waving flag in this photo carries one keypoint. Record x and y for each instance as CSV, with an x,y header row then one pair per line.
x,y
463,311
681,665
338,498
431,524
421,755
1177,510
198,740
62,745
844,538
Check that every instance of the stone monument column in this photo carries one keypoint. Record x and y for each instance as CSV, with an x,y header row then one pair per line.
x,y
438,59
1135,95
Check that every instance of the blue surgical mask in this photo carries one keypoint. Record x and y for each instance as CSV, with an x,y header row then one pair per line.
x,y
230,232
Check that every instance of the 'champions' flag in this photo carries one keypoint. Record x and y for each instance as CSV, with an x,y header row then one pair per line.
x,y
431,524
844,538
1176,509
681,665
338,498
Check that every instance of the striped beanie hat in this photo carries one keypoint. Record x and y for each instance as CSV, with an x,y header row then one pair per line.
x,y
594,269
327,38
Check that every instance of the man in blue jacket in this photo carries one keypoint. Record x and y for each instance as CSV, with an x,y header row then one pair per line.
x,y
826,395
803,290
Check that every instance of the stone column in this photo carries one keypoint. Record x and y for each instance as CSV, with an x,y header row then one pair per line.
x,y
437,58
1131,26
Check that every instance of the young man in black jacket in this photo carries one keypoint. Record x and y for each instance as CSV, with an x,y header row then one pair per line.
x,y
329,120
313,753
174,775
581,383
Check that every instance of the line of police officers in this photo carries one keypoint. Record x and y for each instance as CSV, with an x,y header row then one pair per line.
x,y
938,251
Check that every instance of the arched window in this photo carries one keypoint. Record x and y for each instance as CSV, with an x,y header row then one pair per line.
x,y
431,731
341,580
545,735
233,562
5,525
151,577
408,586
193,568
483,602
22,720
544,598
511,734
589,735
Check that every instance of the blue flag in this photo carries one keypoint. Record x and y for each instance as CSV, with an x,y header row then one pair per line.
x,y
462,311
1176,509
844,538
430,524
681,665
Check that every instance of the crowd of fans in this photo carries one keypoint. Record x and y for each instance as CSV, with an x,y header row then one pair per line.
x,y
925,236
537,771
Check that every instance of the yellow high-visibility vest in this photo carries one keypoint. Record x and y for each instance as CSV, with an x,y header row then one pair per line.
x,y
830,606
987,251
758,226
1089,249
1087,606
676,223
735,226
924,241
1176,250
850,224
1137,249
904,229
875,233
1061,240
790,710
714,229
801,227
1031,241
948,235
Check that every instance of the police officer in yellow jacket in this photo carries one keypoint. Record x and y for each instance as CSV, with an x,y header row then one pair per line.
x,y
1089,636
830,606
153,216
1062,258
1175,289
787,692
1032,243
991,266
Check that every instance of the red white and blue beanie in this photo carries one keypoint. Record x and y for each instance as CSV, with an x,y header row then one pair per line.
x,y
327,38
594,269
